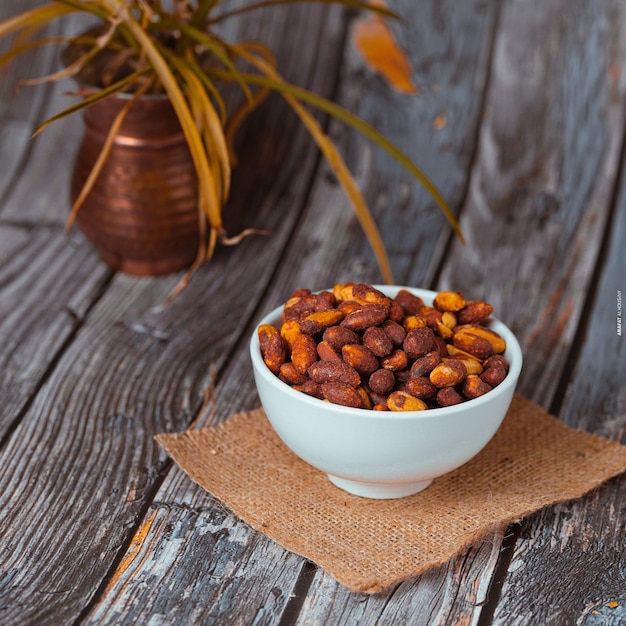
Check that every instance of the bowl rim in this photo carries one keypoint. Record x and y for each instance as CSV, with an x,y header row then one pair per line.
x,y
513,349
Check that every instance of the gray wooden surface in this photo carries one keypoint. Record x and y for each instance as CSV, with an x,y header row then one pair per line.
x,y
97,526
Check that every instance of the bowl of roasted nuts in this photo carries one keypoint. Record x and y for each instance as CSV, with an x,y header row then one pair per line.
x,y
384,388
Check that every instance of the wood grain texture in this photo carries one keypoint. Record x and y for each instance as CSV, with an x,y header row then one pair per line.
x,y
545,175
47,285
573,557
85,447
447,44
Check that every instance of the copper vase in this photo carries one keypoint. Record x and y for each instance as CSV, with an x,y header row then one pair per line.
x,y
142,213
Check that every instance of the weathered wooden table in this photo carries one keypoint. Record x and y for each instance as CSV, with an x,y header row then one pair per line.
x,y
520,120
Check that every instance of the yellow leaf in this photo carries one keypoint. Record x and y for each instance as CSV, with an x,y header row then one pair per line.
x,y
376,44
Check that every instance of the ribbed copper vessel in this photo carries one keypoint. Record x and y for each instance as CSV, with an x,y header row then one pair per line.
x,y
142,213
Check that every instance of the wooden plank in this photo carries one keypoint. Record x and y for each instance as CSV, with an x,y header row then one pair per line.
x,y
447,44
85,446
540,193
317,258
571,559
46,287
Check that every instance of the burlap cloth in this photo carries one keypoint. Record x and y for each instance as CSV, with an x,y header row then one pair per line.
x,y
368,545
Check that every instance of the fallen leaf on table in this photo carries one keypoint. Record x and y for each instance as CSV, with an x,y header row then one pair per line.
x,y
376,44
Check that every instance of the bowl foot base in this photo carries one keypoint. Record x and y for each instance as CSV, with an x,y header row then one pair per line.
x,y
379,491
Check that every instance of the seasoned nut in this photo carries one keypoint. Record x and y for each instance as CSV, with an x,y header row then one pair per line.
x,y
299,306
327,353
360,358
448,373
343,291
413,321
366,294
264,332
395,331
396,312
449,396
408,301
396,361
474,313
303,352
320,320
289,330
275,353
382,406
496,359
449,319
403,401
290,375
441,346
424,365
472,343
364,317
493,375
418,342
473,387
449,301
347,306
452,350
443,330
432,316
334,372
378,341
472,365
365,398
311,388
420,387
325,301
338,336
498,344
338,393
382,381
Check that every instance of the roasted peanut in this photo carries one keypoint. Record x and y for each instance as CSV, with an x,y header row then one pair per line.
x,y
403,401
304,352
420,387
449,396
289,374
408,301
496,359
418,342
395,331
396,361
472,343
275,353
448,373
498,344
473,387
493,375
338,336
334,372
382,381
377,341
472,365
338,393
449,301
365,316
289,330
366,294
320,320
264,332
474,313
360,358
327,353
424,365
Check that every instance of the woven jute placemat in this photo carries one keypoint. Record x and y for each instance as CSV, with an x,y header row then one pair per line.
x,y
533,461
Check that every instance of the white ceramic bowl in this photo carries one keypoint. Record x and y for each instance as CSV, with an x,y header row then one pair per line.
x,y
384,454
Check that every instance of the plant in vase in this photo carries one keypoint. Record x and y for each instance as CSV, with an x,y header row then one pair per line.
x,y
152,53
